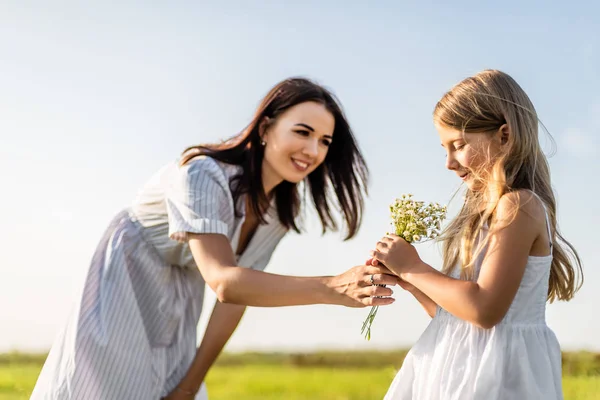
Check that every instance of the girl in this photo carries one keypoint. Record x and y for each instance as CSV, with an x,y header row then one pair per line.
x,y
214,217
503,258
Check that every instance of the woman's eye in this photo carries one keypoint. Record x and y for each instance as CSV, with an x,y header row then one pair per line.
x,y
459,146
302,133
326,142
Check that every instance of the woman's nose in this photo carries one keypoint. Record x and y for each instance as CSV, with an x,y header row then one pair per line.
x,y
311,148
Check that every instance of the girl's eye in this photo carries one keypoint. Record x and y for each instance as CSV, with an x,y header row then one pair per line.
x,y
302,133
459,146
326,142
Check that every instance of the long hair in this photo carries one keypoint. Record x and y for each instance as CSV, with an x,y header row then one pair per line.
x,y
343,172
482,104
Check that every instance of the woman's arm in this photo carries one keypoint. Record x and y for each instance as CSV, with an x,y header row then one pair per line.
x,y
214,257
223,322
239,285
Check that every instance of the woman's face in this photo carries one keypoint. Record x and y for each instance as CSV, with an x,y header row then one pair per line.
x,y
296,143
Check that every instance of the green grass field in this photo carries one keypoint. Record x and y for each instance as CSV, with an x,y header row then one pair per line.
x,y
317,376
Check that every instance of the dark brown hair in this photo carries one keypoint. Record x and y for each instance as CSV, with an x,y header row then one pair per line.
x,y
343,171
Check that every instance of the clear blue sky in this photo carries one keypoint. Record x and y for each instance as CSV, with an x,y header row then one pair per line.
x,y
94,98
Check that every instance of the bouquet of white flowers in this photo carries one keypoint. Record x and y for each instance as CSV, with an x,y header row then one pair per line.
x,y
415,222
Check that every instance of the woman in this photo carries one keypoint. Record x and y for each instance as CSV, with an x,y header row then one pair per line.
x,y
213,217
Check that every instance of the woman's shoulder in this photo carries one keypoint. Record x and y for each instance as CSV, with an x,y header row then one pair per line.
x,y
201,162
206,165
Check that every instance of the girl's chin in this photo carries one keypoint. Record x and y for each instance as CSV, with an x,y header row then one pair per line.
x,y
474,186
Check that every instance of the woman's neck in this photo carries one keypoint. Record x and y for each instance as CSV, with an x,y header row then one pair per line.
x,y
270,180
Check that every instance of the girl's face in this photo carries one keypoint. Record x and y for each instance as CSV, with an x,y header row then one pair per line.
x,y
297,142
470,155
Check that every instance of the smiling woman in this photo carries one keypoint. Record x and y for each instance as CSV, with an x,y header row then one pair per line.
x,y
214,216
291,156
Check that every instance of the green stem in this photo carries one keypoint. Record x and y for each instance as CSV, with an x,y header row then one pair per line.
x,y
368,322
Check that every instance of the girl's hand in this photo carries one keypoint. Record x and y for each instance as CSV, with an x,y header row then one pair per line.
x,y
360,286
403,284
396,254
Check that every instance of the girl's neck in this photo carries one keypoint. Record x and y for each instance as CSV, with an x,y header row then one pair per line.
x,y
482,198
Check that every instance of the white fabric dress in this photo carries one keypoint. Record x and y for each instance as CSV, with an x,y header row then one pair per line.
x,y
518,359
132,334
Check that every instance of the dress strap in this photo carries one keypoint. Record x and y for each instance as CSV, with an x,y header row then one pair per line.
x,y
547,219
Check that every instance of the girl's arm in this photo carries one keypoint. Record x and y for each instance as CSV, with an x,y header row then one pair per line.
x,y
429,305
486,301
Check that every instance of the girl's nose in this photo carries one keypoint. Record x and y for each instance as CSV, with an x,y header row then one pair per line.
x,y
451,163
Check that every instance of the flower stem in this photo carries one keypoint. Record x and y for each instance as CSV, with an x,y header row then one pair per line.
x,y
368,322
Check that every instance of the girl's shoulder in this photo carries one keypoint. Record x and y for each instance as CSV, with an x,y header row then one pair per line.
x,y
527,212
522,201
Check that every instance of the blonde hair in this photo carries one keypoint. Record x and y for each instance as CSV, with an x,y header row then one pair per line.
x,y
482,104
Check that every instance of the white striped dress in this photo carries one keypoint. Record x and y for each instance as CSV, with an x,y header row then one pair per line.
x,y
132,334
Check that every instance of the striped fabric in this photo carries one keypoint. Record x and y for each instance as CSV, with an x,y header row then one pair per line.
x,y
132,334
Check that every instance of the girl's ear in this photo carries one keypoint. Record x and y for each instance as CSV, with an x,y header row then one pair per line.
x,y
505,133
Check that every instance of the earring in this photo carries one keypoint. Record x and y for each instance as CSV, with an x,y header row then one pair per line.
x,y
263,143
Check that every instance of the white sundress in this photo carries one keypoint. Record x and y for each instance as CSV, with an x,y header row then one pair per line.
x,y
518,359
132,334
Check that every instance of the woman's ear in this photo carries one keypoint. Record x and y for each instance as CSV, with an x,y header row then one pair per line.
x,y
263,127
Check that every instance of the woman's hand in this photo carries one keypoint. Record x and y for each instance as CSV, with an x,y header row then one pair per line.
x,y
396,254
179,394
359,286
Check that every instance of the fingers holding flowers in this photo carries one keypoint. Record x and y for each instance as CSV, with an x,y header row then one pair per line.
x,y
413,222
396,254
